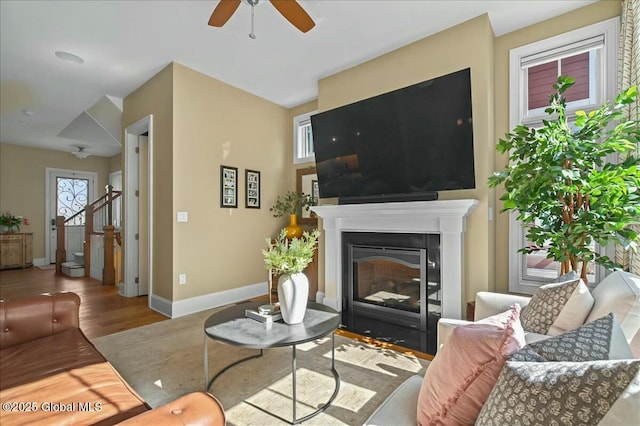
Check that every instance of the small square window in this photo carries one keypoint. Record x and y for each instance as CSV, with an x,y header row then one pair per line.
x,y
303,139
541,78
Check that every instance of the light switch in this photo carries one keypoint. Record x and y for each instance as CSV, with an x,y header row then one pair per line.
x,y
183,216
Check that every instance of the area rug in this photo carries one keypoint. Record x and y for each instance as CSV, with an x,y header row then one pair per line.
x,y
163,361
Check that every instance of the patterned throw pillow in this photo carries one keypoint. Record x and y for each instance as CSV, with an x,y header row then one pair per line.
x,y
564,393
601,339
556,308
584,386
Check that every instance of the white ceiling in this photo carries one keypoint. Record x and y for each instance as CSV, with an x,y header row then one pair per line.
x,y
124,43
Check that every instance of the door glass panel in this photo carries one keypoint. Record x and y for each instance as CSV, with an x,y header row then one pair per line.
x,y
72,197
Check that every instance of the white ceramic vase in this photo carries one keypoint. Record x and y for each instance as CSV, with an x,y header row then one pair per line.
x,y
293,292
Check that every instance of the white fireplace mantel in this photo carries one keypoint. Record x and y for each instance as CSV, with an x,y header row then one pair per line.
x,y
444,217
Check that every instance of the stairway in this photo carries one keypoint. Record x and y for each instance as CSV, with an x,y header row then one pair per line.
x,y
98,220
74,268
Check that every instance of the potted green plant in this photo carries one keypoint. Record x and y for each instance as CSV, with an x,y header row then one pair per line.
x,y
289,258
565,185
11,223
292,204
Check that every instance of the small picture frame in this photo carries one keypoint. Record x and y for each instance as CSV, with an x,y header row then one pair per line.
x,y
252,189
228,186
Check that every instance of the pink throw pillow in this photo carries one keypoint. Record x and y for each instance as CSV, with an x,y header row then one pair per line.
x,y
461,376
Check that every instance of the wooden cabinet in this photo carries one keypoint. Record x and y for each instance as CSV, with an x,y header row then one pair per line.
x,y
16,250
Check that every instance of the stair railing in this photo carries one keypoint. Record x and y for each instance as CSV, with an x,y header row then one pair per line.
x,y
98,221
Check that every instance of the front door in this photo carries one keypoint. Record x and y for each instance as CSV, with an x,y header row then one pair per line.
x,y
68,192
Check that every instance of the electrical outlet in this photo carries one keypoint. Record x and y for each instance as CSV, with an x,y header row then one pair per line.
x,y
182,278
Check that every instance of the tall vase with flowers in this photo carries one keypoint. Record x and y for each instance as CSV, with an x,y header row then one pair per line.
x,y
289,258
11,224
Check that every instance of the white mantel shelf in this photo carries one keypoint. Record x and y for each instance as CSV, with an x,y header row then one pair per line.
x,y
444,217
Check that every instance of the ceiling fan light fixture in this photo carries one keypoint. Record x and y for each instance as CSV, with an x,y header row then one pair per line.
x,y
253,3
80,153
289,9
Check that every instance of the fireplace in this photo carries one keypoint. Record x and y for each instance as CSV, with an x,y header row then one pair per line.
x,y
392,287
443,219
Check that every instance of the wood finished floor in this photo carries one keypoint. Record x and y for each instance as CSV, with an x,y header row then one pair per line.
x,y
102,310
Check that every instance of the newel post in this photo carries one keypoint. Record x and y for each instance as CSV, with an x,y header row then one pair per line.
x,y
61,253
88,230
109,272
109,189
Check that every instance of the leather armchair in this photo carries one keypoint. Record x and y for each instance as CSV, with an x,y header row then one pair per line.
x,y
45,358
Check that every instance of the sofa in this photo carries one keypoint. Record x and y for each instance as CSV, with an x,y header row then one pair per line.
x,y
50,373
618,293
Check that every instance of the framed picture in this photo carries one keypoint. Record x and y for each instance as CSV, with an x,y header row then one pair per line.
x,y
252,189
228,186
307,183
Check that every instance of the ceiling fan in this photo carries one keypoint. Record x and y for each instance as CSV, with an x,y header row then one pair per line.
x,y
290,9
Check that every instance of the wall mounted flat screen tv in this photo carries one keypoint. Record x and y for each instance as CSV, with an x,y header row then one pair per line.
x,y
403,145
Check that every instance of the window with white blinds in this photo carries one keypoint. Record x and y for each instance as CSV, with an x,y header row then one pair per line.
x,y
541,78
588,55
303,139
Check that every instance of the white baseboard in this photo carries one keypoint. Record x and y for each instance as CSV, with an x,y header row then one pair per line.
x,y
332,303
319,296
213,300
40,261
160,304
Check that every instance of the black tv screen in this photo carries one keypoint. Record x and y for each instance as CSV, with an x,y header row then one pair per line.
x,y
410,142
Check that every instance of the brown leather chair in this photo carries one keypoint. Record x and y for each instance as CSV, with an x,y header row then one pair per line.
x,y
50,373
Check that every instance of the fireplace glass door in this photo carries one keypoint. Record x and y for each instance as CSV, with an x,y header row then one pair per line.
x,y
390,284
391,287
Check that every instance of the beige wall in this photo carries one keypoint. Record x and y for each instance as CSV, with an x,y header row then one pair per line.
x,y
22,183
469,45
115,163
199,124
217,124
156,97
579,18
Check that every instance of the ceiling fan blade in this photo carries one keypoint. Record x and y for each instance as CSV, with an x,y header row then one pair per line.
x,y
223,12
294,13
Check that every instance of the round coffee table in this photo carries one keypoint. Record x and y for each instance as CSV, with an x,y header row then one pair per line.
x,y
231,326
